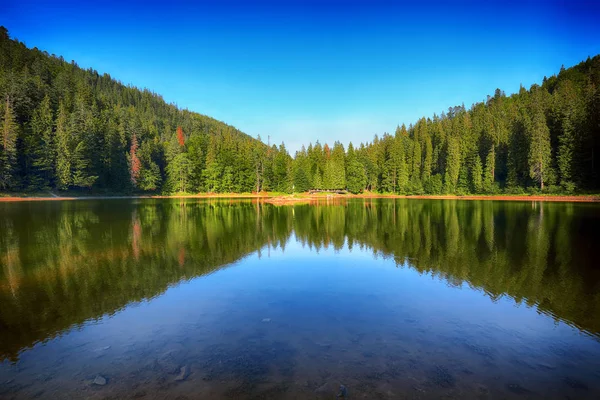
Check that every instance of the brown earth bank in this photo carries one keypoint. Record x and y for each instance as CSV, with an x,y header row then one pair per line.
x,y
14,198
286,200
279,199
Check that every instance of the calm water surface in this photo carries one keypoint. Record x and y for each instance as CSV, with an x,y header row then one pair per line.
x,y
197,299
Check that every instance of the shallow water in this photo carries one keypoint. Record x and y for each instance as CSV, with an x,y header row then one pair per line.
x,y
242,300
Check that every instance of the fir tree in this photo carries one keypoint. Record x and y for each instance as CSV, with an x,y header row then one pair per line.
x,y
8,152
355,172
539,146
42,126
63,156
476,175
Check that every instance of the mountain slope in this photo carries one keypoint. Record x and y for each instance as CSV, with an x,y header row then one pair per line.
x,y
67,128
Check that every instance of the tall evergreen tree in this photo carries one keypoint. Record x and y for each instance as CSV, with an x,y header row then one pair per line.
x,y
42,127
539,146
180,172
82,177
399,158
355,172
8,153
64,177
452,165
476,175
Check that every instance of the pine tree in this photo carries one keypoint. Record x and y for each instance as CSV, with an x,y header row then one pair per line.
x,y
150,176
415,179
452,165
338,156
476,175
490,167
42,126
8,152
301,182
63,156
389,171
539,146
258,159
179,171
566,150
400,159
462,187
569,112
281,170
81,167
213,171
428,159
117,174
328,175
355,172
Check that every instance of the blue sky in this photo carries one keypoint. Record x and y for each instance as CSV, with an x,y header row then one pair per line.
x,y
299,71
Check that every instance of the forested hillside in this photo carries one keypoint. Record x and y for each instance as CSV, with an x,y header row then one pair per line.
x,y
66,128
546,138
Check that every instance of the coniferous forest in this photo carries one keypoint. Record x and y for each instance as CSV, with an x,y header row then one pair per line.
x,y
67,128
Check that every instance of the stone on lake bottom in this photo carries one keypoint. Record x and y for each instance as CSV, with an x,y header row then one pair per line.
x,y
99,380
184,372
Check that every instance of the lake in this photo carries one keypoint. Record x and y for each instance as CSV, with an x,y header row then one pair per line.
x,y
238,299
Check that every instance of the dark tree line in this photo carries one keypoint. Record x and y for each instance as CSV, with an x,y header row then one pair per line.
x,y
66,128
544,139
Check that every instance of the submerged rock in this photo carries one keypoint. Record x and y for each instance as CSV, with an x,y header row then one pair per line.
x,y
184,372
99,380
343,392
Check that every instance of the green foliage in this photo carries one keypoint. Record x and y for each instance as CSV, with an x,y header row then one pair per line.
x,y
452,165
179,172
63,144
476,175
435,185
301,182
539,145
66,128
8,148
82,177
44,151
463,187
488,173
355,172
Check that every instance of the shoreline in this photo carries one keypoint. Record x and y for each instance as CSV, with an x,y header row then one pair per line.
x,y
290,199
285,199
